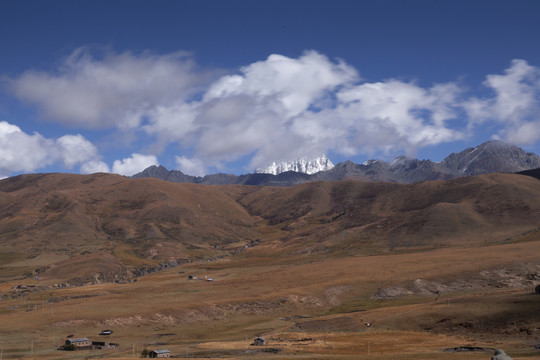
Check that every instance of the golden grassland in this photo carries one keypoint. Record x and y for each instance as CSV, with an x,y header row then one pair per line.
x,y
427,266
312,310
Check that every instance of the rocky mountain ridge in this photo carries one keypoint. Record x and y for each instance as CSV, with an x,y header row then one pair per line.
x,y
489,157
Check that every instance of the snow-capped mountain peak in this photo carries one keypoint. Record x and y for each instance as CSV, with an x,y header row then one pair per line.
x,y
301,165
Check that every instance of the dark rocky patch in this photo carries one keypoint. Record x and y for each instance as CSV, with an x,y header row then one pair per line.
x,y
467,348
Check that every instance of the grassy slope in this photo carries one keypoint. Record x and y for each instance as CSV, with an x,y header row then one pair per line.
x,y
326,249
252,298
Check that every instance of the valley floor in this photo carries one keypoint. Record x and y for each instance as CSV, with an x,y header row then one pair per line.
x,y
418,305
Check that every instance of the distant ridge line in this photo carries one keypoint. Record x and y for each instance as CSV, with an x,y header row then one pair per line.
x,y
489,157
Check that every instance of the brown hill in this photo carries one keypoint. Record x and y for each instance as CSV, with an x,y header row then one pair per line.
x,y
369,217
324,270
141,223
60,224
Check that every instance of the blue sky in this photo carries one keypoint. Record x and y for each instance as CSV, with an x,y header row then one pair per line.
x,y
228,86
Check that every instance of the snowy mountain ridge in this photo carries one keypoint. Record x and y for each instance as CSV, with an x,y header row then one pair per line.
x,y
489,157
301,165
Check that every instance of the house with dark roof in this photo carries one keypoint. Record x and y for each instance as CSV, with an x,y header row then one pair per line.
x,y
259,341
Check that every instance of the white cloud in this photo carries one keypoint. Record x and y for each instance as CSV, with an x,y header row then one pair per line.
x,y
113,91
515,104
94,166
280,108
75,149
398,113
251,112
283,108
189,166
21,152
272,110
515,91
524,133
295,84
134,164
171,123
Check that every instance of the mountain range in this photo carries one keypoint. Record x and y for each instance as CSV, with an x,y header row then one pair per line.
x,y
315,268
489,157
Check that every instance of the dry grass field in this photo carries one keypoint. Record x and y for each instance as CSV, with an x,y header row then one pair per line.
x,y
314,310
322,271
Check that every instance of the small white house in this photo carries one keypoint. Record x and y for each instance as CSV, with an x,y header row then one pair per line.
x,y
163,353
79,343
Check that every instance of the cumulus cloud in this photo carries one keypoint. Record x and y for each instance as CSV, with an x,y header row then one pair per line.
x,y
398,113
172,123
515,104
295,84
94,166
114,90
22,152
75,149
251,112
134,164
283,108
189,166
276,109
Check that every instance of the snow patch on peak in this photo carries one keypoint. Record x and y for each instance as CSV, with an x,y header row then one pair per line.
x,y
370,162
400,160
301,165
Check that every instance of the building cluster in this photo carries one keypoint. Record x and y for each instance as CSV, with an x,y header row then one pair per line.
x,y
86,344
193,277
